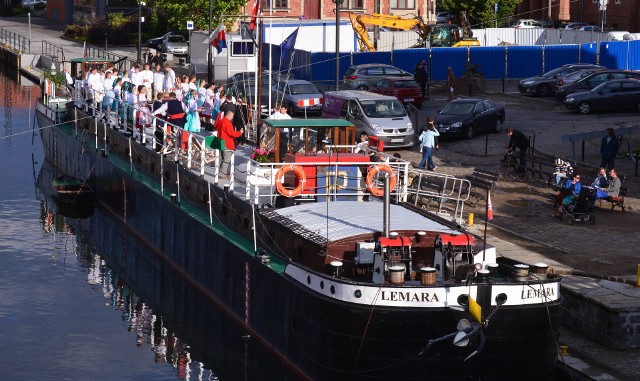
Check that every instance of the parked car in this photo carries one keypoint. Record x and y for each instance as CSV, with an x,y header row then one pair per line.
x,y
575,76
543,85
174,44
467,117
616,94
443,16
247,90
575,25
406,90
590,28
365,76
376,114
154,43
526,24
592,80
292,91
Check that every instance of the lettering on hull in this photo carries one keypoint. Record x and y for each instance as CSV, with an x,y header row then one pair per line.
x,y
406,296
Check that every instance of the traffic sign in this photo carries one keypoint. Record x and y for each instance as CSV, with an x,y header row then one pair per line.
x,y
495,7
189,25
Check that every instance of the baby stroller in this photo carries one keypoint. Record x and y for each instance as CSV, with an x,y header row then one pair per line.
x,y
579,207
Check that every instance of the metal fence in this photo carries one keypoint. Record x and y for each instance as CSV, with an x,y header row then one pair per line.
x,y
121,62
15,40
495,62
55,51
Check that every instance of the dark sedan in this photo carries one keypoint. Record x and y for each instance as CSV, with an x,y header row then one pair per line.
x,y
591,81
542,85
466,117
155,43
405,89
616,94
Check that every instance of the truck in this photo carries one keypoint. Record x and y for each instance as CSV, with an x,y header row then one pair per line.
x,y
431,35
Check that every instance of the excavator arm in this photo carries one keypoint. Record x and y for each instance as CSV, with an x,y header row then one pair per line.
x,y
359,22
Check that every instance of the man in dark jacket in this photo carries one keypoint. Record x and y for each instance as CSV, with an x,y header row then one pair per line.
x,y
609,148
421,75
521,142
157,59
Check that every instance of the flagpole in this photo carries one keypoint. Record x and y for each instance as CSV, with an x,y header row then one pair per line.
x,y
486,222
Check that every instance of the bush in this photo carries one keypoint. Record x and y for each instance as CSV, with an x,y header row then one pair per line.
x,y
73,32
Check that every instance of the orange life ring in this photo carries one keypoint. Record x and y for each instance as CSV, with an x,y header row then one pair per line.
x,y
302,178
372,174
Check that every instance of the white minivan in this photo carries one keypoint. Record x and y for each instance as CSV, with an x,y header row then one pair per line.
x,y
378,115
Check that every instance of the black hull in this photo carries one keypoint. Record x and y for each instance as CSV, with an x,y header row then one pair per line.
x,y
319,338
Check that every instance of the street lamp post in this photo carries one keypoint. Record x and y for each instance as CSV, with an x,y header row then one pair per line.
x,y
140,21
209,73
106,27
338,44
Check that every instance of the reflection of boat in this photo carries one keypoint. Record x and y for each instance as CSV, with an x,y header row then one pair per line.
x,y
74,209
335,287
71,190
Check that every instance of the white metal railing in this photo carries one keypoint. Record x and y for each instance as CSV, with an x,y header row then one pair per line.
x,y
257,181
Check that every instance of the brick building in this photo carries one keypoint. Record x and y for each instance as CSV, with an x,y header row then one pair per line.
x,y
325,9
621,14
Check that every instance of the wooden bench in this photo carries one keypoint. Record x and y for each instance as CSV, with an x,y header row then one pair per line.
x,y
619,199
485,175
478,188
434,189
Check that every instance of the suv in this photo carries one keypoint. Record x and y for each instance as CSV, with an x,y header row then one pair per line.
x,y
299,95
589,82
543,85
365,76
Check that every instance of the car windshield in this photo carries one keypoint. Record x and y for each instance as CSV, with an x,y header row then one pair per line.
x,y
457,108
304,88
552,73
383,108
406,84
176,39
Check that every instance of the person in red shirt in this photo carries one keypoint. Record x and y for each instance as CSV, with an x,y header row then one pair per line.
x,y
227,133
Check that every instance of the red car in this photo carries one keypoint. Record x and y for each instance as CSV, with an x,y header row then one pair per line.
x,y
406,90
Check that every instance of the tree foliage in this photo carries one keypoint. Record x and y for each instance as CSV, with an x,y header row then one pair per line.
x,y
178,12
481,12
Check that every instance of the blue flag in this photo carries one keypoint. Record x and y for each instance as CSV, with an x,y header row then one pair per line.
x,y
288,44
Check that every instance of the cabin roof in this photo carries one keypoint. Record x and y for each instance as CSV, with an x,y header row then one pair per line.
x,y
312,123
349,218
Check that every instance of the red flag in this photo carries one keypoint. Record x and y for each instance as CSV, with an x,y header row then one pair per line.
x,y
256,9
489,208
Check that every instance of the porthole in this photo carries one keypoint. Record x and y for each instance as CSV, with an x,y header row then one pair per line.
x,y
357,293
501,299
322,284
333,289
463,300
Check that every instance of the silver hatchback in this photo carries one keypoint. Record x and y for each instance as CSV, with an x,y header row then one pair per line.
x,y
365,76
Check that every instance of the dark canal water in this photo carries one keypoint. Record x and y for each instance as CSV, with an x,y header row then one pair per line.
x,y
69,309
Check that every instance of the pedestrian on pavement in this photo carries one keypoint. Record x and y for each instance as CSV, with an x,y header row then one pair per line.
x,y
521,142
609,149
157,59
451,83
421,75
428,141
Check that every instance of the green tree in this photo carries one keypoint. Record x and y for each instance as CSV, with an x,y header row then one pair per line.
x,y
481,12
178,12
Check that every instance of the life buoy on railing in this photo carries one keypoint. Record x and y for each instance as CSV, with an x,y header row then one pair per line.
x,y
372,174
279,179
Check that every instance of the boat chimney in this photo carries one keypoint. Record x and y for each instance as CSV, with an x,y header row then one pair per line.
x,y
386,212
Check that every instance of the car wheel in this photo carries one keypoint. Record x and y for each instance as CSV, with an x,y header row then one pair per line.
x,y
543,90
584,107
498,127
362,87
469,132
592,219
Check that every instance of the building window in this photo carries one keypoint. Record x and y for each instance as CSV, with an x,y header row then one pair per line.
x,y
352,4
278,4
403,4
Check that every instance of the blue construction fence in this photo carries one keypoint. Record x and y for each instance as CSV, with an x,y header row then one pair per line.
x,y
495,62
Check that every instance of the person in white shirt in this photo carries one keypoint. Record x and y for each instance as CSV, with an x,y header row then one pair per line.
x,y
169,79
147,77
282,114
94,85
158,80
136,76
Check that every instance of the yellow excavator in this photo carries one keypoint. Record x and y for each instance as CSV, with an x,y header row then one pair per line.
x,y
432,35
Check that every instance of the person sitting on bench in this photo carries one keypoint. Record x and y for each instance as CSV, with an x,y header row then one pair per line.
x,y
612,189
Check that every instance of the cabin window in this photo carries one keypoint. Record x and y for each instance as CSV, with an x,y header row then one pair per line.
x,y
403,4
353,4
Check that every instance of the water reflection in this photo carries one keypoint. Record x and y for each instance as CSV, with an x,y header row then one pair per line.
x,y
166,315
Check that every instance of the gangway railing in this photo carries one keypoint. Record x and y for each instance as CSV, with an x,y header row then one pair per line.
x,y
15,40
440,187
52,50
